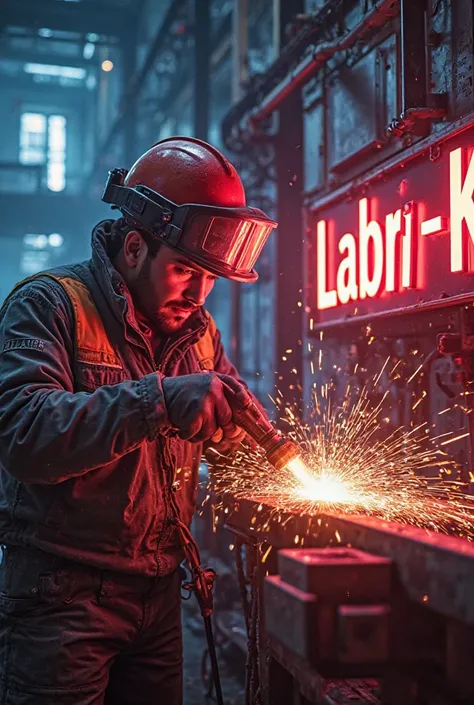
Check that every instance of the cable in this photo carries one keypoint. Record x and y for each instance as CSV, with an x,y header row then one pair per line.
x,y
201,584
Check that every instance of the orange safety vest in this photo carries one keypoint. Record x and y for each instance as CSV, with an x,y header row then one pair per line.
x,y
92,343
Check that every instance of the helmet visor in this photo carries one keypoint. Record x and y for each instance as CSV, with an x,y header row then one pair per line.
x,y
236,243
228,241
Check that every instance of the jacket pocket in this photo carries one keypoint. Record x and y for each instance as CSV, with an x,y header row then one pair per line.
x,y
90,377
28,581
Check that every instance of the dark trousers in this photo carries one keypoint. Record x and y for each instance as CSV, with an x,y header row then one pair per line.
x,y
74,635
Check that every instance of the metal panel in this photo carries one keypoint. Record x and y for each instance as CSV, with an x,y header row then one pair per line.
x,y
352,112
249,322
462,66
388,80
266,332
314,147
414,88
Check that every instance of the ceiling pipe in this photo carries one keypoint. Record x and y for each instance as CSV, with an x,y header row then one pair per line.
x,y
382,12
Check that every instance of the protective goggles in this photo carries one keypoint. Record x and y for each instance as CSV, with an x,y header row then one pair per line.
x,y
225,241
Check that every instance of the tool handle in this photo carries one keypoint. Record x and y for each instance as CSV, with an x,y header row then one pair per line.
x,y
246,413
238,397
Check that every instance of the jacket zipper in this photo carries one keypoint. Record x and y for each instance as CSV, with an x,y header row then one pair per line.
x,y
167,485
157,368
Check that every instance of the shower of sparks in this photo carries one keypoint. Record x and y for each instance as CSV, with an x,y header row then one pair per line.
x,y
348,465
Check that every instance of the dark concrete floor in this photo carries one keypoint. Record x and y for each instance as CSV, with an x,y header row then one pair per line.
x,y
232,678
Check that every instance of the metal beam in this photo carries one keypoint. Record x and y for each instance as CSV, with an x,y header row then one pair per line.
x,y
129,57
50,58
239,76
181,90
239,48
289,250
136,83
413,54
82,17
24,81
437,571
202,45
11,32
45,212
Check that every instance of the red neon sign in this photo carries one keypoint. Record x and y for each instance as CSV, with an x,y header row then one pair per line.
x,y
382,257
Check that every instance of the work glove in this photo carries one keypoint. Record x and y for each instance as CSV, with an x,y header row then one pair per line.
x,y
197,405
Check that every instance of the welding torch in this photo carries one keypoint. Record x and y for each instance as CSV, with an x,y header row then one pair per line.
x,y
279,450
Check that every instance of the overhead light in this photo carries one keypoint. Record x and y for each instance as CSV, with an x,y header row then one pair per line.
x,y
51,70
91,82
41,242
88,50
107,65
55,240
37,242
45,32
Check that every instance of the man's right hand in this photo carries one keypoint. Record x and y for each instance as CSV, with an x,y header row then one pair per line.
x,y
197,405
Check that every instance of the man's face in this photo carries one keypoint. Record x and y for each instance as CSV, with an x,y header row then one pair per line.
x,y
168,289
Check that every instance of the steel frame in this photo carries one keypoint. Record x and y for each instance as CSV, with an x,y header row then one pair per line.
x,y
432,598
436,570
84,17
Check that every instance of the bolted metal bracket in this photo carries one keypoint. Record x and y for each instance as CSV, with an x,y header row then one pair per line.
x,y
411,118
455,344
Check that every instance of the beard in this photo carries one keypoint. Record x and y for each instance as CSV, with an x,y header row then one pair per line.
x,y
167,320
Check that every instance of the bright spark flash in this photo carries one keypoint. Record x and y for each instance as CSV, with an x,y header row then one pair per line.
x,y
317,489
347,466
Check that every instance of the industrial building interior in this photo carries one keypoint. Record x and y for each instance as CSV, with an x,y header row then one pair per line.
x,y
351,123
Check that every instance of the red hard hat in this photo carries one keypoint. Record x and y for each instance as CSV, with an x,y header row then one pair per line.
x,y
186,193
188,170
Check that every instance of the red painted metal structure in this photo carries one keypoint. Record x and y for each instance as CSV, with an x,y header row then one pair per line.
x,y
380,13
388,620
388,251
433,187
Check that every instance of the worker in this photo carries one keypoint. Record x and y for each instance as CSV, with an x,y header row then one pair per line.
x,y
112,376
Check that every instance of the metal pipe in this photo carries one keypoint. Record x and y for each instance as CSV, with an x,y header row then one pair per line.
x,y
382,11
213,658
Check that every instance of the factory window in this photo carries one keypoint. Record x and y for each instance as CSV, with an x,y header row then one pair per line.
x,y
32,138
70,72
43,141
56,152
39,251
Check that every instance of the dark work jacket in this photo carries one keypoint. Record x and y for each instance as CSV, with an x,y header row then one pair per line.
x,y
85,468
